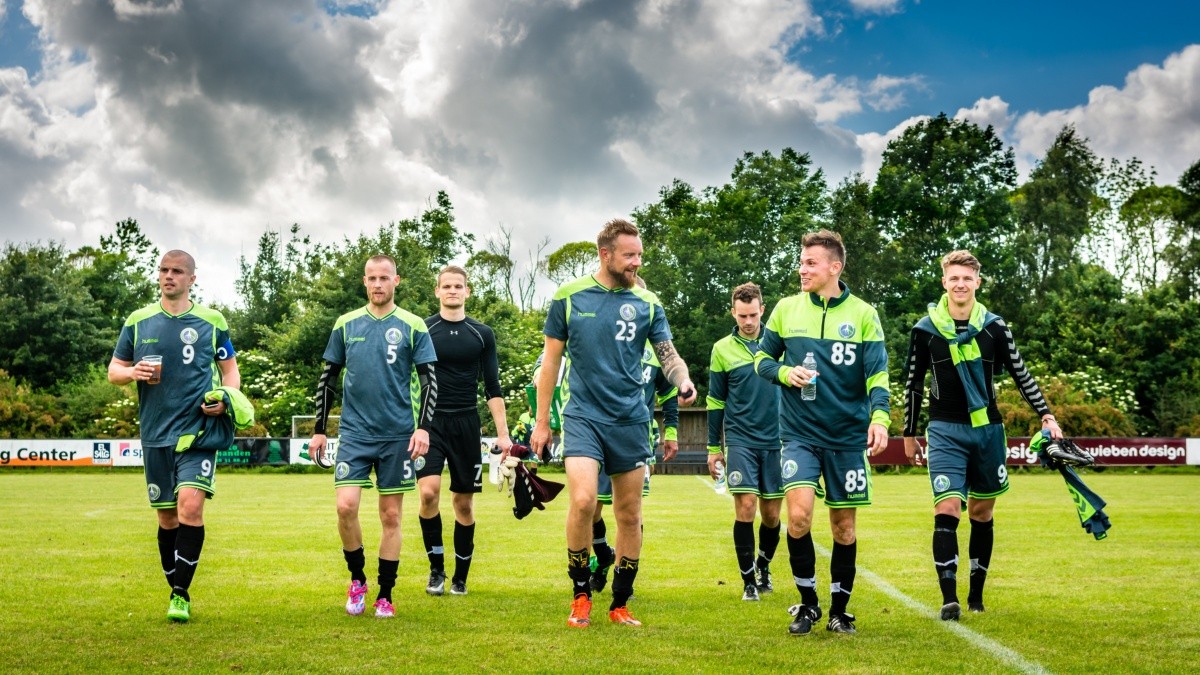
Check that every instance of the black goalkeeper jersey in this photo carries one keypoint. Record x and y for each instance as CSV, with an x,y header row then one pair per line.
x,y
466,353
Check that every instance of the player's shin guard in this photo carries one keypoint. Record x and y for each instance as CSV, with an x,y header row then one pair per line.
x,y
605,556
768,541
431,534
387,577
842,567
188,543
578,571
464,548
945,555
166,553
980,550
743,547
622,585
803,557
356,563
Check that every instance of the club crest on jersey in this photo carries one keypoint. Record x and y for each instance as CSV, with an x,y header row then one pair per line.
x,y
941,483
154,491
846,330
627,312
419,462
789,468
342,470
646,355
735,478
189,336
392,336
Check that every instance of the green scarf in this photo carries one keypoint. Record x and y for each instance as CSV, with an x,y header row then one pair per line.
x,y
964,352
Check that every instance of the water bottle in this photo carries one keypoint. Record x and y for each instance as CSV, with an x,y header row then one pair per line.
x,y
494,465
809,391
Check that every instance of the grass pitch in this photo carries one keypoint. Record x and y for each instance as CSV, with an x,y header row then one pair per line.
x,y
82,589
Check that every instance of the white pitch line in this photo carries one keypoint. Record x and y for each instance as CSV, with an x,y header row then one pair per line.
x,y
987,644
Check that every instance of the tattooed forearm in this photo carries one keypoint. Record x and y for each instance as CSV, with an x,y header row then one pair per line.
x,y
672,364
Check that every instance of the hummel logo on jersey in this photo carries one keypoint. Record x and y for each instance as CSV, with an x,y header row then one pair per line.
x,y
149,341
357,339
589,314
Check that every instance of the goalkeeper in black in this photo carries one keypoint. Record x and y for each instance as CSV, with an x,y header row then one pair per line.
x,y
964,346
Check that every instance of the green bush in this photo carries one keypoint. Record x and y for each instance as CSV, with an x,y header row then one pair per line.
x,y
1178,408
1086,403
28,413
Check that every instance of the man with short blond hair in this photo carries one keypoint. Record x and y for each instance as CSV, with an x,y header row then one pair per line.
x,y
466,354
744,409
603,321
964,346
384,350
829,423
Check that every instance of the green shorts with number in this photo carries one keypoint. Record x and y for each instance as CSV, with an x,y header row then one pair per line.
x,y
168,471
393,466
846,473
966,461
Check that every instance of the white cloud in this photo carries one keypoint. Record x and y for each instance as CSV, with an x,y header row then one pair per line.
x,y
991,111
1154,116
873,144
210,122
876,6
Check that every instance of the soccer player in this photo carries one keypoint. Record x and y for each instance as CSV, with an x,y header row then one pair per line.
x,y
825,432
466,353
658,391
386,354
746,408
196,355
603,322
964,346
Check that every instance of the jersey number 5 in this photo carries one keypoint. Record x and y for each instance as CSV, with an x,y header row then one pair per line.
x,y
391,354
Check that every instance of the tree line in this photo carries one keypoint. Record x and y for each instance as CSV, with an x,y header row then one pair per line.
x,y
1093,262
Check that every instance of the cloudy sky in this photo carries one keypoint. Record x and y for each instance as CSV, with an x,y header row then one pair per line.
x,y
211,121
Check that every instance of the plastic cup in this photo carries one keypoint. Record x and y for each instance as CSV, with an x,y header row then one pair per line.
x,y
155,361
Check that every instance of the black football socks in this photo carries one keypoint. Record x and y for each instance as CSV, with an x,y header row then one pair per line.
x,y
431,533
166,553
743,547
387,578
945,555
189,540
356,563
803,558
622,586
842,567
980,550
577,570
464,548
605,555
768,541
